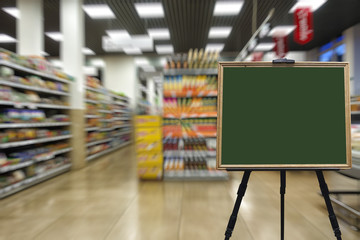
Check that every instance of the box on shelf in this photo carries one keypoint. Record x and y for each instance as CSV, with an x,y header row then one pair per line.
x,y
148,134
150,173
147,121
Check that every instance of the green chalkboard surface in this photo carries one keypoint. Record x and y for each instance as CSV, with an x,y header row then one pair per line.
x,y
283,116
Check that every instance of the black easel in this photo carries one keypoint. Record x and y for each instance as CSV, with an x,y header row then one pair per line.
x,y
241,193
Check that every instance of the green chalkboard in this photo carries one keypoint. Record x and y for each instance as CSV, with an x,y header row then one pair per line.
x,y
283,115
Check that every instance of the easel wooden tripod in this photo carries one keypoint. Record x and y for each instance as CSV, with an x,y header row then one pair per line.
x,y
241,193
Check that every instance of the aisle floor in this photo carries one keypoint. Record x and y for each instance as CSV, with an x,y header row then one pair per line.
x,y
106,201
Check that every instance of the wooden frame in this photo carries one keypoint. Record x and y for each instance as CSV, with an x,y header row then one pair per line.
x,y
344,65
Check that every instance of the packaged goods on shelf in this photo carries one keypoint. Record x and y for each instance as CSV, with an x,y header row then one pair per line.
x,y
36,63
30,116
190,107
194,59
14,135
148,139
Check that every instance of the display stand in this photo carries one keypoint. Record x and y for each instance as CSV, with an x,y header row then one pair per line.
x,y
242,189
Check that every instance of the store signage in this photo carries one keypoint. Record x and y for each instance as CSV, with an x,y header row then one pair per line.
x,y
281,46
257,56
304,31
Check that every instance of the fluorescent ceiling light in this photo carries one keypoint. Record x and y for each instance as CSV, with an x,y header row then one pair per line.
x,y
264,47
227,8
219,32
13,11
141,61
149,10
4,38
118,34
149,68
313,4
90,71
164,49
159,33
132,50
57,36
88,51
281,30
214,47
99,11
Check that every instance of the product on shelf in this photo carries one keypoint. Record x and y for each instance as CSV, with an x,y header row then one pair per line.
x,y
14,135
185,83
194,59
190,107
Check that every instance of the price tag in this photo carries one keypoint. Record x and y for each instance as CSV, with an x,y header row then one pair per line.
x,y
18,105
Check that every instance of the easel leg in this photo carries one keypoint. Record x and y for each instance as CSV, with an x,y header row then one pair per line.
x,y
240,195
282,192
325,193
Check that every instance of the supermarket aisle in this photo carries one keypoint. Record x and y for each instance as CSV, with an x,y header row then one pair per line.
x,y
105,201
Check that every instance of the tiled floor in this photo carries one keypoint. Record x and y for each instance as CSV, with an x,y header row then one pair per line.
x,y
106,201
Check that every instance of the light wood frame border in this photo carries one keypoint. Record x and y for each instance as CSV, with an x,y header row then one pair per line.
x,y
344,65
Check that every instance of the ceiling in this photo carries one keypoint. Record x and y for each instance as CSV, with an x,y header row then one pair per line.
x,y
189,22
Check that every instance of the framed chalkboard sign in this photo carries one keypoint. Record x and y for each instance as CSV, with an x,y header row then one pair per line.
x,y
283,116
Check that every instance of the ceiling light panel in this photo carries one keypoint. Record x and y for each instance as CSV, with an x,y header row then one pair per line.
x,y
164,49
264,47
4,38
214,47
313,4
281,31
13,11
159,33
219,32
141,61
132,50
150,10
227,8
57,36
117,34
99,11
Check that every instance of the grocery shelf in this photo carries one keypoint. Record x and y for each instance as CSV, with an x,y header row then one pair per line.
x,y
32,71
122,126
355,103
120,103
104,111
44,124
355,153
98,142
105,129
120,97
207,153
91,129
121,111
15,166
33,105
190,94
195,175
4,192
32,141
37,89
91,101
91,157
355,112
105,101
95,89
92,116
122,133
121,118
200,71
191,115
53,154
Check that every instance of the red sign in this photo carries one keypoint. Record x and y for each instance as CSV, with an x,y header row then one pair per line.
x,y
281,46
304,31
257,56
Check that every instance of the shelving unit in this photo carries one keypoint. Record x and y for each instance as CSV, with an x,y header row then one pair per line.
x,y
34,123
107,118
189,125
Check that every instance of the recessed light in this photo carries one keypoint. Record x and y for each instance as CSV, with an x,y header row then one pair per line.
x,y
132,50
264,47
159,33
141,61
227,8
219,32
97,62
164,49
99,11
214,47
313,4
149,10
4,38
118,33
57,36
281,31
88,51
13,11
